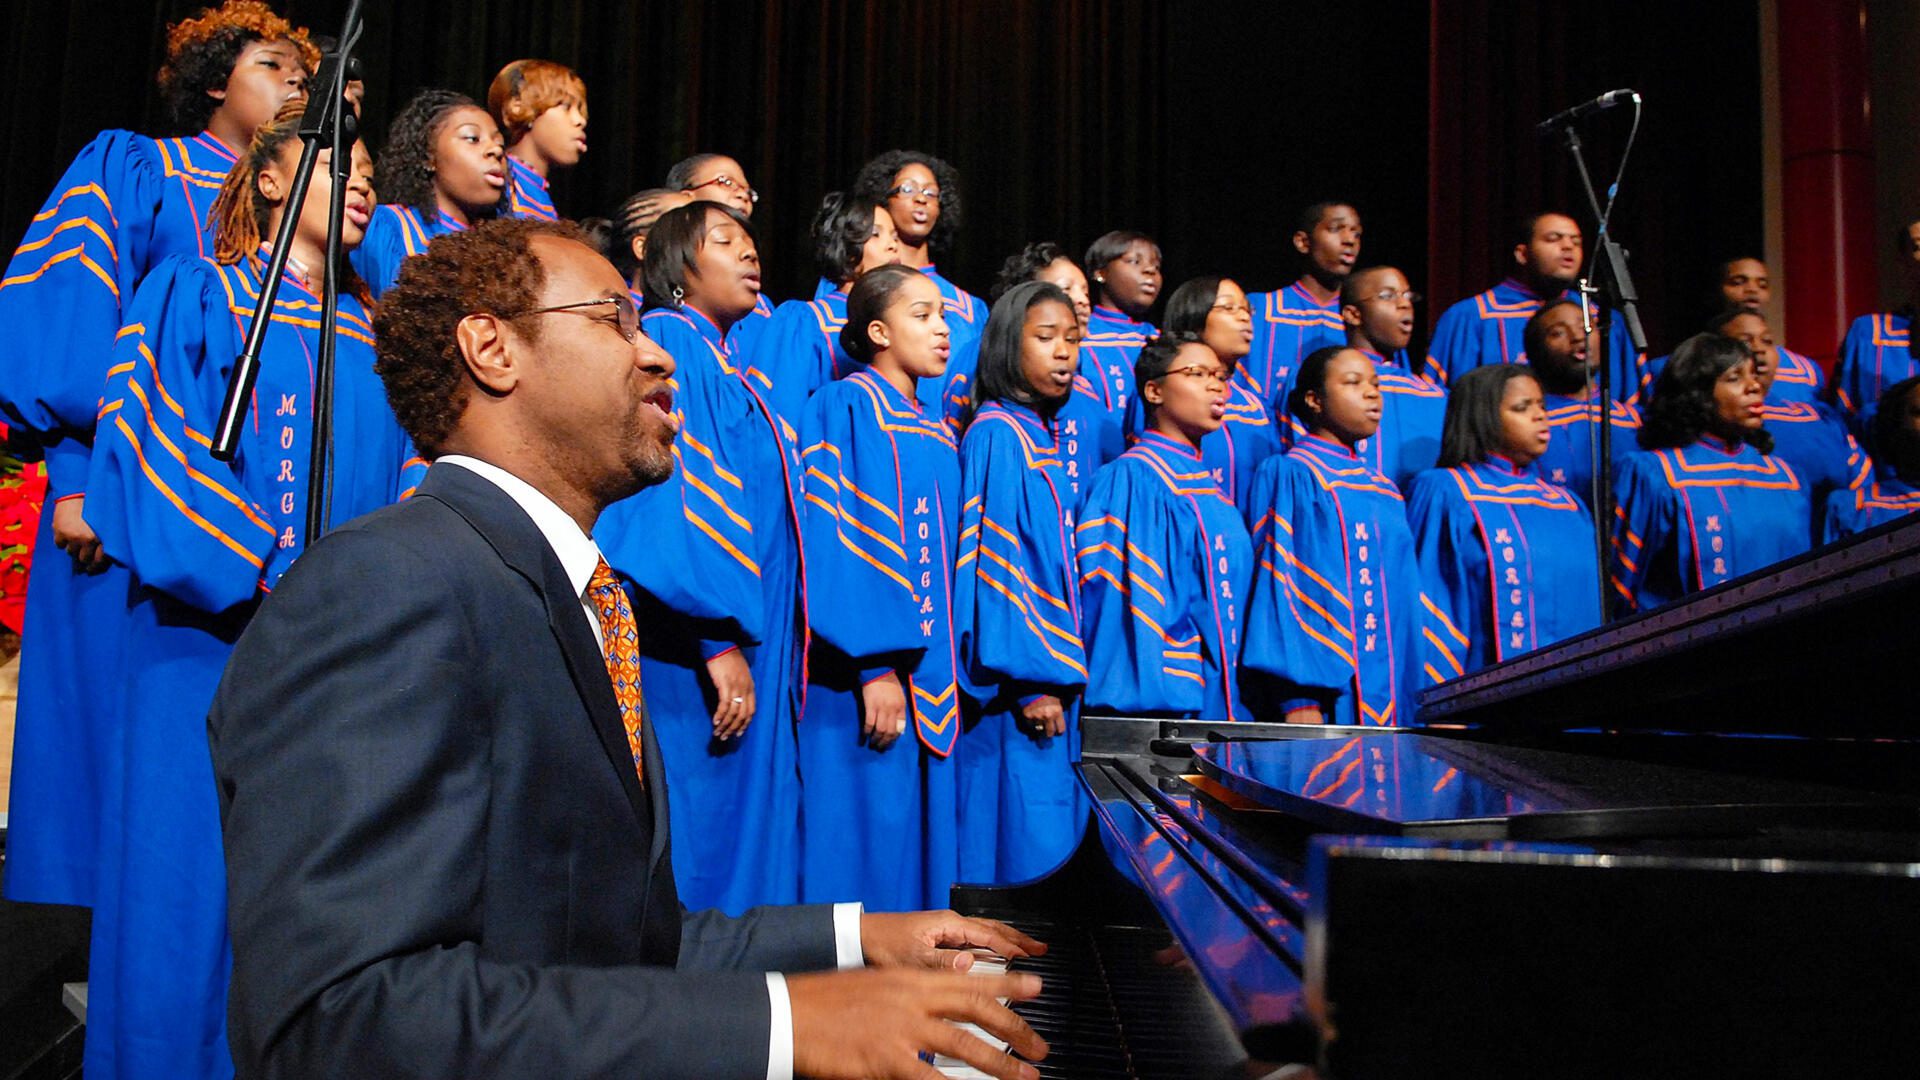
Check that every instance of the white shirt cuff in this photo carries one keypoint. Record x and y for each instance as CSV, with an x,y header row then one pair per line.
x,y
846,936
780,1030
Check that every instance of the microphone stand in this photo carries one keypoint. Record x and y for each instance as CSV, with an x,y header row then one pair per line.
x,y
1607,277
329,124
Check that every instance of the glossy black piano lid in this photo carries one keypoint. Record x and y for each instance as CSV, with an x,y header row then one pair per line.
x,y
1405,783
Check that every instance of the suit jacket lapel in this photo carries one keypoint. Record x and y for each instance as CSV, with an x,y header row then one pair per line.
x,y
520,545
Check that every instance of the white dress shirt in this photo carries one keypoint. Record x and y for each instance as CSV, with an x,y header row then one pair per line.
x,y
578,556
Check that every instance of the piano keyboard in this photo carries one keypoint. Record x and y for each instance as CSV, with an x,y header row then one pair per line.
x,y
1114,1003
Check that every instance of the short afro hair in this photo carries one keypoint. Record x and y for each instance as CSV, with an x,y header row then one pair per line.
x,y
488,269
875,181
201,52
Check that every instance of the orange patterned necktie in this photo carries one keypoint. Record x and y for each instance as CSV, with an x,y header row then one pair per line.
x,y
622,650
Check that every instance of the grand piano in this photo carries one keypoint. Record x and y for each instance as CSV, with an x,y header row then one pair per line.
x,y
1686,844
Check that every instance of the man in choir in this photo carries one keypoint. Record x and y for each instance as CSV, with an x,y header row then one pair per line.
x,y
1745,283
443,801
1488,328
1559,354
1289,323
1879,350
541,106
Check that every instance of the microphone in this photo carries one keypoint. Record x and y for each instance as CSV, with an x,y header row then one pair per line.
x,y
1567,116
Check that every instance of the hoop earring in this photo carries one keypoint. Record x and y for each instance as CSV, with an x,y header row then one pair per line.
x,y
679,294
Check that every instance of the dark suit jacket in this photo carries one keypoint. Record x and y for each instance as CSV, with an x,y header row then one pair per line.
x,y
440,861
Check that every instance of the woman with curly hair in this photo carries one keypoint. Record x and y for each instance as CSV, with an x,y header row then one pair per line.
x,y
800,351
203,541
126,203
1704,500
922,194
542,108
443,168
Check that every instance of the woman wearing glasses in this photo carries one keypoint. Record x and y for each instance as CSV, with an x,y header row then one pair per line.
x,y
720,179
716,556
1335,617
443,168
922,193
1164,559
1215,310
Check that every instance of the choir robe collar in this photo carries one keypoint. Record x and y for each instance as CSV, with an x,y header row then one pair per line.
x,y
1045,431
1325,447
1115,315
1715,443
709,330
1299,290
1168,449
207,141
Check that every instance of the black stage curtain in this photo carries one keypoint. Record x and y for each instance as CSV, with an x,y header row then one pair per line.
x,y
1207,125
1692,194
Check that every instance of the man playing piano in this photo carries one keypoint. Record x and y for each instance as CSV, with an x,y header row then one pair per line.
x,y
444,810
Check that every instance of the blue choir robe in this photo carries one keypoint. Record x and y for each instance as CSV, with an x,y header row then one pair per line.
x,y
124,204
1878,499
1571,446
800,351
746,336
1814,440
1164,563
715,555
1413,413
1337,612
203,541
1017,612
1109,348
1089,434
1247,436
882,484
1287,325
966,321
395,233
1691,518
527,194
1510,559
1490,328
1875,355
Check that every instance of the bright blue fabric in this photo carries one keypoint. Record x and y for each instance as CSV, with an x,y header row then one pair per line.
x,y
1089,434
1875,354
966,320
124,204
395,233
1337,609
1691,518
1490,328
1879,499
1571,446
1510,559
1287,325
1017,613
1164,564
203,540
799,351
715,553
882,484
527,195
1413,413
